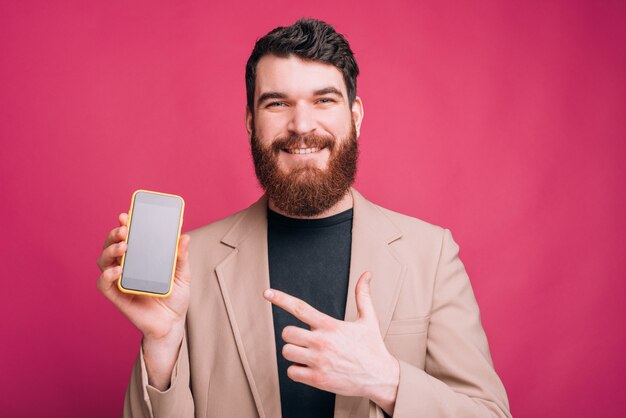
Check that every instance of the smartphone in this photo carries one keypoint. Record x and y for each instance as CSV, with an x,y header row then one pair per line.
x,y
154,224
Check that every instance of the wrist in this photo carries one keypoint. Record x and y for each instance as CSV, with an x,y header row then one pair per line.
x,y
165,341
160,355
386,391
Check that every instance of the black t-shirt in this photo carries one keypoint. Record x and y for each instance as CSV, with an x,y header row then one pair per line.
x,y
308,259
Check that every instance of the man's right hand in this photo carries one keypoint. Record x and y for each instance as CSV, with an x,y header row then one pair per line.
x,y
161,320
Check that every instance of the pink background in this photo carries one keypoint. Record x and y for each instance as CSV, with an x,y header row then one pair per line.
x,y
503,121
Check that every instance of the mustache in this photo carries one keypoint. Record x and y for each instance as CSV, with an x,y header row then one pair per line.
x,y
309,141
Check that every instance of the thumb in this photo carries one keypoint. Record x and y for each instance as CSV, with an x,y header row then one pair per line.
x,y
182,260
364,305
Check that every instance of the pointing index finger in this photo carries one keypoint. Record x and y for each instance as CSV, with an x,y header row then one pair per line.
x,y
297,307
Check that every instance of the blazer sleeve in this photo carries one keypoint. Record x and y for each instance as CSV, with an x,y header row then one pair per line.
x,y
145,401
459,379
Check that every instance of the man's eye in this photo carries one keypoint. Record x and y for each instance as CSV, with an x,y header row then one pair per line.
x,y
276,104
325,100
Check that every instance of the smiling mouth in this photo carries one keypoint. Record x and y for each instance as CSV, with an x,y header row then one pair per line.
x,y
301,150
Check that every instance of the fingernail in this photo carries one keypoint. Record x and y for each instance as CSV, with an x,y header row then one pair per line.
x,y
268,294
368,278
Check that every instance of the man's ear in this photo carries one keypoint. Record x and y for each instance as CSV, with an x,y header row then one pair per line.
x,y
357,114
249,123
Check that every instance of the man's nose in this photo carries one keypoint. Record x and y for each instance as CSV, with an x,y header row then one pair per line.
x,y
302,120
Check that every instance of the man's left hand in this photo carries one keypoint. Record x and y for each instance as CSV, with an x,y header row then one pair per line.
x,y
346,358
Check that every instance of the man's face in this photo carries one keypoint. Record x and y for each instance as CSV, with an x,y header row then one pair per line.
x,y
303,134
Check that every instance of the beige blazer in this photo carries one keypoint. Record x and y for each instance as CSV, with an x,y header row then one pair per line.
x,y
428,318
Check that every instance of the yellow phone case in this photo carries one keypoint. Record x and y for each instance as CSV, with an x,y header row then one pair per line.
x,y
130,219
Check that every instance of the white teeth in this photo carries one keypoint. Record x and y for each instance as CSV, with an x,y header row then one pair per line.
x,y
302,150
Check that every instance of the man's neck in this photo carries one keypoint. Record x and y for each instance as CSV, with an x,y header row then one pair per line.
x,y
344,204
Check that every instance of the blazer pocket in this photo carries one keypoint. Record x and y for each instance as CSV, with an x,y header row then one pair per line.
x,y
408,326
406,340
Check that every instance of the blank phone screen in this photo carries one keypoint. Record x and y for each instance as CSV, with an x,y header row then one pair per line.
x,y
152,240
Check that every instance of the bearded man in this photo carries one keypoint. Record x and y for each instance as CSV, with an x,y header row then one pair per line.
x,y
313,301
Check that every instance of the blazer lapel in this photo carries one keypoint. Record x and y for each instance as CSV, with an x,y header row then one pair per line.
x,y
372,232
243,276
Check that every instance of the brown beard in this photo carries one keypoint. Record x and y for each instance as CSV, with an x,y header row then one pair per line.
x,y
306,191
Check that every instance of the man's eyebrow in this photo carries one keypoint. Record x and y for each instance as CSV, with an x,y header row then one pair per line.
x,y
328,90
270,95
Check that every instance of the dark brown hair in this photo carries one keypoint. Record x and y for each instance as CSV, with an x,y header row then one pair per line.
x,y
309,39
